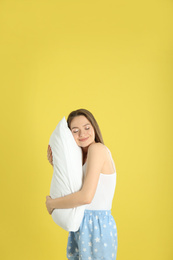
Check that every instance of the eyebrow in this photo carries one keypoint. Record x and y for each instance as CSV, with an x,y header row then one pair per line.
x,y
83,125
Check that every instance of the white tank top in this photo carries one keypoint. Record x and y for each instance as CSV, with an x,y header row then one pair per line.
x,y
105,190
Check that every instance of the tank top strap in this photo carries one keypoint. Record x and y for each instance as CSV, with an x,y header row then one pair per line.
x,y
111,158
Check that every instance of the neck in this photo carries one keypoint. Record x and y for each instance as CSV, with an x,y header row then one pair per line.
x,y
84,152
85,149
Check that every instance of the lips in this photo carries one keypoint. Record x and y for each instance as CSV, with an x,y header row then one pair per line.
x,y
82,140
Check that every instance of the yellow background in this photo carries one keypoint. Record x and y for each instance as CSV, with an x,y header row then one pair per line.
x,y
114,58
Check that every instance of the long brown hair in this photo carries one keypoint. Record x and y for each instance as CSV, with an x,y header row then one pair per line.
x,y
90,117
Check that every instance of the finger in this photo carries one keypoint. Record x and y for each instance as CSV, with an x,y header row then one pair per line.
x,y
50,157
49,153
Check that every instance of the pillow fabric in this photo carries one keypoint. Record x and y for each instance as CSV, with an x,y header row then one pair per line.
x,y
67,175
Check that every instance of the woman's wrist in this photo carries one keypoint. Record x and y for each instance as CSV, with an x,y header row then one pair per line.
x,y
52,204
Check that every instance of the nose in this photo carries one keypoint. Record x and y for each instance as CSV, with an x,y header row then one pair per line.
x,y
81,133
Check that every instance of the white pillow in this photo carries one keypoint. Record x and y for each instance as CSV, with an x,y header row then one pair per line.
x,y
67,175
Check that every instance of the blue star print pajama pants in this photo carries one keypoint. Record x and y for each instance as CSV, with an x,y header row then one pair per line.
x,y
96,238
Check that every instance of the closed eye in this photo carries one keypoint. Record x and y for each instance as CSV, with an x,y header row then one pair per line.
x,y
75,131
78,130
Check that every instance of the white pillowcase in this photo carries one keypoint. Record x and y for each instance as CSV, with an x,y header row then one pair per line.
x,y
67,175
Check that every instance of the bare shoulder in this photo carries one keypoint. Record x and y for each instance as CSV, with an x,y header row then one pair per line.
x,y
96,157
97,148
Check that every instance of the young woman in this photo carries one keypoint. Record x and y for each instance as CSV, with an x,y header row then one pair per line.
x,y
97,235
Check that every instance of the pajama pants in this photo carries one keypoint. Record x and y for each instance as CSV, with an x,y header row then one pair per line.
x,y
96,238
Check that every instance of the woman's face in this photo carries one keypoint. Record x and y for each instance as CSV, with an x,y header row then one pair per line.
x,y
83,131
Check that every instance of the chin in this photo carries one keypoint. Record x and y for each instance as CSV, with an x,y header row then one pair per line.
x,y
86,145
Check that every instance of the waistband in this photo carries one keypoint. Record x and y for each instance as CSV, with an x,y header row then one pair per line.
x,y
97,212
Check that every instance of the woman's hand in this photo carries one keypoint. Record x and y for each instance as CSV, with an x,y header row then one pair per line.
x,y
48,204
49,155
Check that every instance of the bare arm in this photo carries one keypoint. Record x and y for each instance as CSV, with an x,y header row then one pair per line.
x,y
95,161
